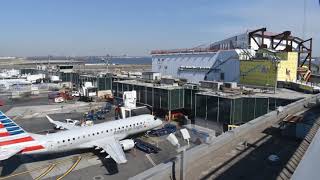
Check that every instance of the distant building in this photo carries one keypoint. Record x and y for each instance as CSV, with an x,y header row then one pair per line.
x,y
221,61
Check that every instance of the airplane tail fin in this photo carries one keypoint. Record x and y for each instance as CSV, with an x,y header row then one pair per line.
x,y
8,127
14,139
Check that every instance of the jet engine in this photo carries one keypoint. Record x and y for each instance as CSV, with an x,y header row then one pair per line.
x,y
127,144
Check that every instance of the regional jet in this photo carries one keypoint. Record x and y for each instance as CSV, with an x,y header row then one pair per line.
x,y
108,136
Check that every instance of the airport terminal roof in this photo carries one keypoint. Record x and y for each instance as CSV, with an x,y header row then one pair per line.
x,y
149,84
281,93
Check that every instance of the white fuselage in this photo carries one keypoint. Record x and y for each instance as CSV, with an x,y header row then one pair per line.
x,y
80,138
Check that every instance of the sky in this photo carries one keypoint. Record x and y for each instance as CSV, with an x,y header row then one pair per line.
x,y
135,27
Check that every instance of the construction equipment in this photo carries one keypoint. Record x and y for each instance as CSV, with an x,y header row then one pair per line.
x,y
304,73
59,97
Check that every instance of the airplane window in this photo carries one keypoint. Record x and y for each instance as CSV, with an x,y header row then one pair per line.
x,y
107,131
58,142
97,132
63,141
68,139
84,136
101,131
122,127
78,137
130,125
119,128
74,138
89,135
92,134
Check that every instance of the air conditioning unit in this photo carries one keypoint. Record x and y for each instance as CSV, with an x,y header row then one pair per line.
x,y
191,86
230,85
216,86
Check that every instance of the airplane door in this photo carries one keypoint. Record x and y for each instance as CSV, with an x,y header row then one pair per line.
x,y
51,146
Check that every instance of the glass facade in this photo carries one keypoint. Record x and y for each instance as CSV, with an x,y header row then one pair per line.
x,y
70,77
104,83
157,97
212,108
30,71
201,106
176,98
225,110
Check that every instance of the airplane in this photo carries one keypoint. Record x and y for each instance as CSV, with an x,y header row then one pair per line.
x,y
108,136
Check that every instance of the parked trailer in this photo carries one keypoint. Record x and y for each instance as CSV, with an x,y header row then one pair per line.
x,y
146,147
167,129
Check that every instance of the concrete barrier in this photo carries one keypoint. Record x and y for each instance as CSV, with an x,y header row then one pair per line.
x,y
199,154
159,172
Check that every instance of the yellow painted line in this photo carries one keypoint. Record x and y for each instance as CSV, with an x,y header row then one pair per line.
x,y
37,168
70,169
45,172
21,173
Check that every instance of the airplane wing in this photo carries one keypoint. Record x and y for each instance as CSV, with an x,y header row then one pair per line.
x,y
6,153
111,146
61,124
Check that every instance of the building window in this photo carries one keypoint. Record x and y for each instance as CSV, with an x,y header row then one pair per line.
x,y
222,76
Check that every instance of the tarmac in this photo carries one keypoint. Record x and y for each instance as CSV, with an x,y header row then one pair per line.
x,y
85,164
